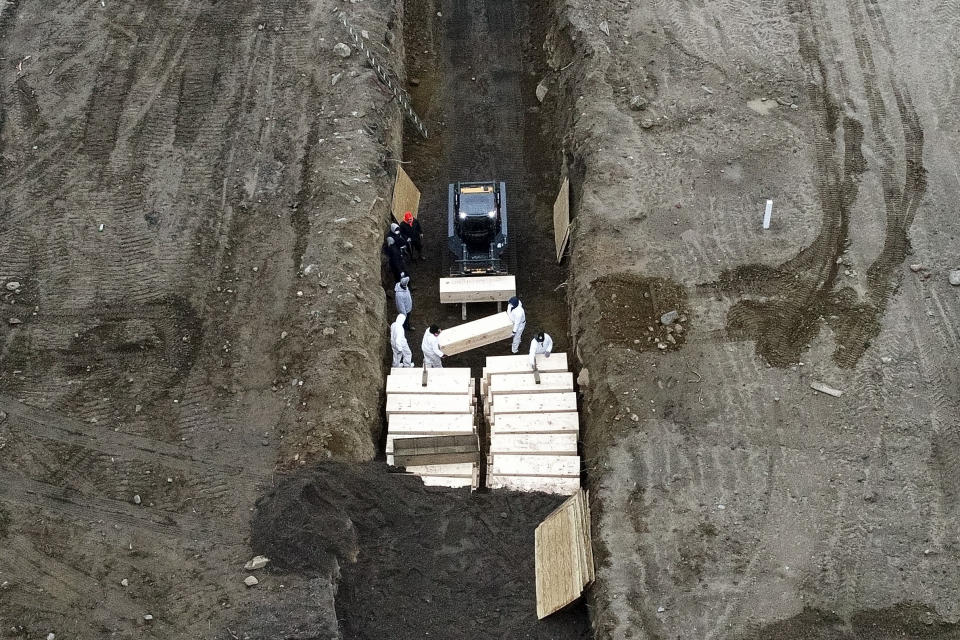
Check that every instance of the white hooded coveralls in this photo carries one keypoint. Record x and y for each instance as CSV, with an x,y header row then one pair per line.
x,y
519,318
431,351
402,357
545,347
403,298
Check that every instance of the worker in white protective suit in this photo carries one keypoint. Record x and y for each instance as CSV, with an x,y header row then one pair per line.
x,y
541,343
432,355
402,357
519,318
401,294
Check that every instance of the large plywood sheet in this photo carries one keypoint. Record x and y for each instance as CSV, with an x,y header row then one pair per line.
x,y
503,383
563,555
427,403
433,424
406,196
475,334
477,289
561,219
565,422
534,403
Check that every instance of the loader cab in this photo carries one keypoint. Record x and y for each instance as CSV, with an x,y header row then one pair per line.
x,y
477,236
477,214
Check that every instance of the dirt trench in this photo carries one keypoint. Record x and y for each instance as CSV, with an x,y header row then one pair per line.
x,y
438,562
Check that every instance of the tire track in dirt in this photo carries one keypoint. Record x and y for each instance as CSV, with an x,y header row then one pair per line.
x,y
937,359
62,586
69,502
784,306
38,424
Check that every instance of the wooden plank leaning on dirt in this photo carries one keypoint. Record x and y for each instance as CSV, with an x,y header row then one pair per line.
x,y
563,552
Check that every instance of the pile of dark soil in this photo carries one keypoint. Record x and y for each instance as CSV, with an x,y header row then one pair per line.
x,y
414,561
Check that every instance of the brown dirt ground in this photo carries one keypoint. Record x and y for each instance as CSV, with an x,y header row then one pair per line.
x,y
203,336
228,319
414,561
757,507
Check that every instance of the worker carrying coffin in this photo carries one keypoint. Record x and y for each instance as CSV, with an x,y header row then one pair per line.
x,y
432,355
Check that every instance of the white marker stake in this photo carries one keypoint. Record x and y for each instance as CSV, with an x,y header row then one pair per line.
x,y
766,214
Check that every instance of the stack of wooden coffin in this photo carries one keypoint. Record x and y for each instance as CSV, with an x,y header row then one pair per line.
x,y
431,425
533,424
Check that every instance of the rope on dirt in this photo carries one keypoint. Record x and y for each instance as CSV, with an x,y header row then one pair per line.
x,y
386,78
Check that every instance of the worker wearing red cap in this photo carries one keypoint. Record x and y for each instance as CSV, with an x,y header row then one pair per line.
x,y
410,229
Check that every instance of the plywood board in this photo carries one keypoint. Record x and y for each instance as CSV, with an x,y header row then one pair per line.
x,y
434,424
427,403
414,384
533,465
563,486
406,196
534,443
563,555
561,219
503,383
477,333
534,403
477,289
537,423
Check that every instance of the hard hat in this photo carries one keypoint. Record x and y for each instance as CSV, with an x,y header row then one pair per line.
x,y
408,217
514,301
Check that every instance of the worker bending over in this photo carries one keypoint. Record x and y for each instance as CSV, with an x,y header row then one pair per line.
x,y
402,357
541,343
432,355
519,318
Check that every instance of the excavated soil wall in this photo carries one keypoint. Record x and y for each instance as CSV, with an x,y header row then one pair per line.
x,y
730,499
192,197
